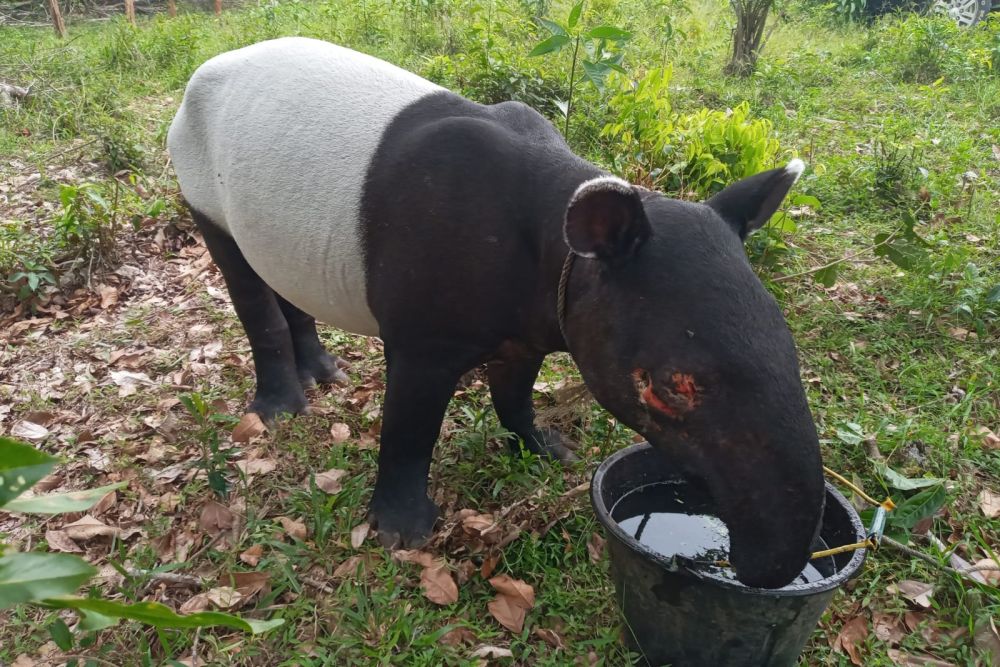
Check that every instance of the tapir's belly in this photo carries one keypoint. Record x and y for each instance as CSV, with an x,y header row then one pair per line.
x,y
273,144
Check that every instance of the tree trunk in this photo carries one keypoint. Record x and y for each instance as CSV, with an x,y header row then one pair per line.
x,y
751,16
172,7
218,7
130,11
57,20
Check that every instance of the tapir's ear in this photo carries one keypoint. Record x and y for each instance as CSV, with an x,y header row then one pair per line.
x,y
605,219
748,204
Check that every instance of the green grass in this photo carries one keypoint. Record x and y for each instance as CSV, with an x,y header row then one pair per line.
x,y
879,350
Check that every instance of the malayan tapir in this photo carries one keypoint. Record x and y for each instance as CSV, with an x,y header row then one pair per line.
x,y
328,184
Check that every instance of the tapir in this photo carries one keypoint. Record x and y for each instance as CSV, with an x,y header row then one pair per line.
x,y
329,185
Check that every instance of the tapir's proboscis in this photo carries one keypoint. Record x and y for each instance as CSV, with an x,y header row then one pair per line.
x,y
328,184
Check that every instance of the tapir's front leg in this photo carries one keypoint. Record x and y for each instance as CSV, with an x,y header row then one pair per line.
x,y
511,381
418,389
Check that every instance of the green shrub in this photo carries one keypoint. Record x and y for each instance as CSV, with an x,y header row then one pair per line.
x,y
692,154
924,49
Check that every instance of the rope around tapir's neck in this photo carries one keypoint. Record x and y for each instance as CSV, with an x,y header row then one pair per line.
x,y
561,294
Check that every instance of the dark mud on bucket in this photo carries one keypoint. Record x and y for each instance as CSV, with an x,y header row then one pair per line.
x,y
680,616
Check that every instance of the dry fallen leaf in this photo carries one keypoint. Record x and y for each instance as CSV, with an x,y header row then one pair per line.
x,y
348,568
29,430
250,427
522,594
329,481
458,636
915,591
421,558
216,518
128,382
340,432
852,633
595,547
989,502
491,652
224,597
990,570
248,584
987,639
294,529
59,541
903,659
256,466
107,501
550,637
88,528
990,439
507,612
358,534
438,585
195,604
109,295
888,628
252,555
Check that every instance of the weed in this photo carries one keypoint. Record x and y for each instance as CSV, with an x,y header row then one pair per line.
x,y
214,459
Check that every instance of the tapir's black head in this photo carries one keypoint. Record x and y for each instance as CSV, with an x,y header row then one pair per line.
x,y
676,336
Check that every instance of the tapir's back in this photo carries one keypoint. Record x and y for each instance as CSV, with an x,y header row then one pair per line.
x,y
272,143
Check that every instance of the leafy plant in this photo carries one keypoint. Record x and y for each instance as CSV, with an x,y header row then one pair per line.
x,y
601,58
51,579
692,154
213,459
30,279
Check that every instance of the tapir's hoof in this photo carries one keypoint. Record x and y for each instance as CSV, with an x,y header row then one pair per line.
x,y
558,447
323,369
406,527
269,408
551,444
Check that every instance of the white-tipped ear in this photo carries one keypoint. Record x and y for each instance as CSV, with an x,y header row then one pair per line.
x,y
605,218
748,204
795,167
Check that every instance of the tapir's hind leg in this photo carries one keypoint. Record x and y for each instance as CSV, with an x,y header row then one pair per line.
x,y
511,381
313,362
256,304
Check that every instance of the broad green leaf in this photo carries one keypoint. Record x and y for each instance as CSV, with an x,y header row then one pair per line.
x,y
897,481
91,621
596,73
58,503
993,296
782,223
61,635
608,32
160,616
20,467
553,43
805,200
902,253
574,14
911,511
553,27
850,433
31,577
827,277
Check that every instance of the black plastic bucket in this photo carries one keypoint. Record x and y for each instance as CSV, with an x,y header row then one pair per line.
x,y
681,616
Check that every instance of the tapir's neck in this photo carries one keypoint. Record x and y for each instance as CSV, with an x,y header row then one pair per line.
x,y
565,176
476,196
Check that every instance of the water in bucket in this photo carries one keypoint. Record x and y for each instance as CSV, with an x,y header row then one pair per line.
x,y
669,518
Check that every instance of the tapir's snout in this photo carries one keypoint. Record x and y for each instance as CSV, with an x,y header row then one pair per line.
x,y
769,491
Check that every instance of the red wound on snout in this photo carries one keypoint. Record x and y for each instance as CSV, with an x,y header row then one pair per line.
x,y
680,399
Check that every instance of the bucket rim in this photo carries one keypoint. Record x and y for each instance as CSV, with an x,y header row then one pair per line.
x,y
671,564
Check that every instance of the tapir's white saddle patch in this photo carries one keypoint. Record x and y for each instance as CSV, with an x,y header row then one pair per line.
x,y
273,143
